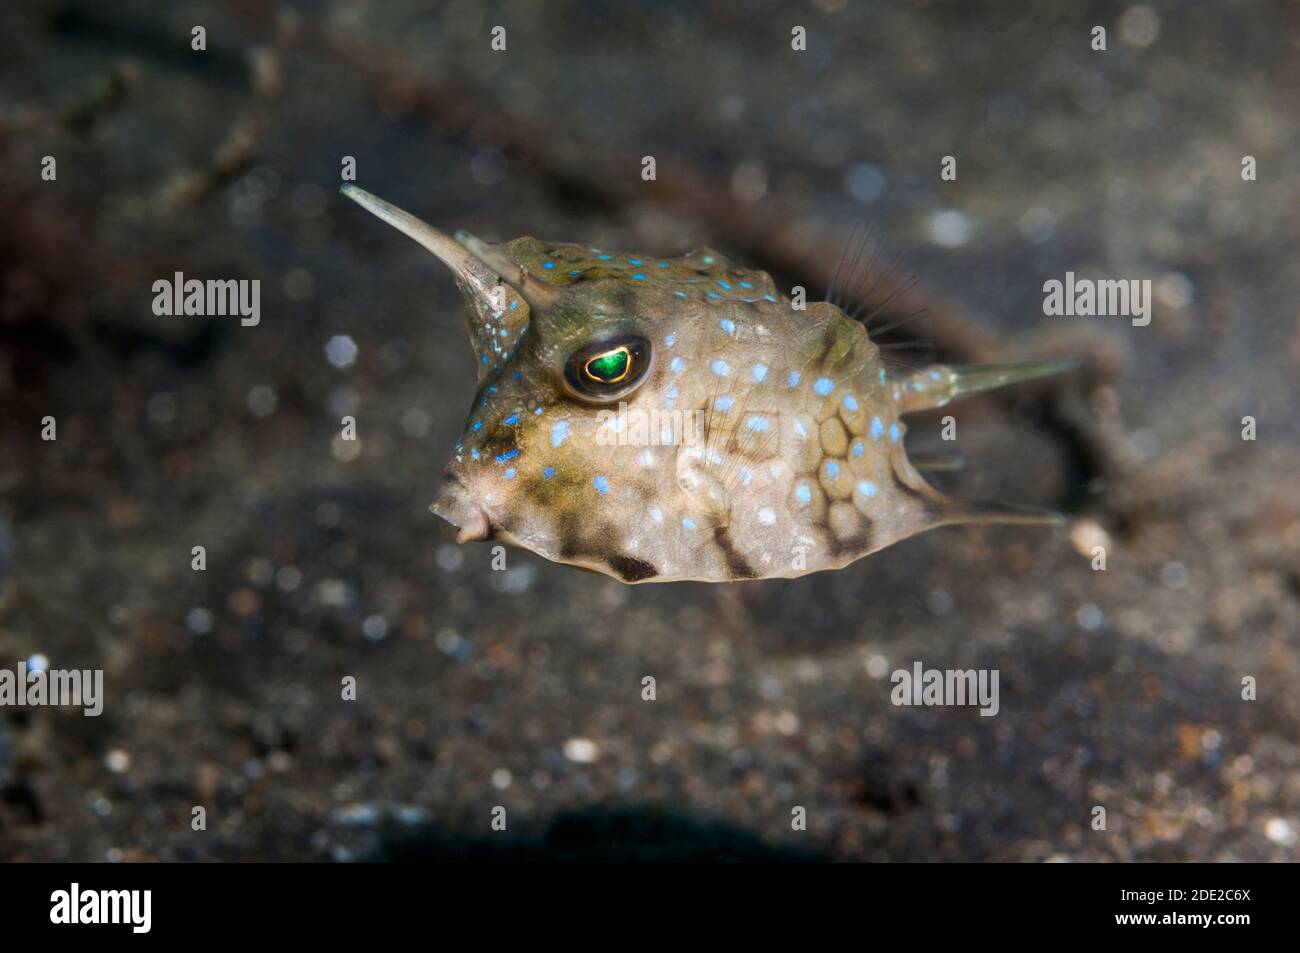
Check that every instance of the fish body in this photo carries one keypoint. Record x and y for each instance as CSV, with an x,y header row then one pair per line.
x,y
663,419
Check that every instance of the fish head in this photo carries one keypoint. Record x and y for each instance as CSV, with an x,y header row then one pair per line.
x,y
601,429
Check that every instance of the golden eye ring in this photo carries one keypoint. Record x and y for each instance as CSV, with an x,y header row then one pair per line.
x,y
619,357
608,369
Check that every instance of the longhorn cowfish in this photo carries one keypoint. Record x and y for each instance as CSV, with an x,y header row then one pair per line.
x,y
666,419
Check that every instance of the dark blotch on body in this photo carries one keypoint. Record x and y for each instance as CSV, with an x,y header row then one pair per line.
x,y
736,564
632,569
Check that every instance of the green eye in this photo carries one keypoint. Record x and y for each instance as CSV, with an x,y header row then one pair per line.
x,y
608,369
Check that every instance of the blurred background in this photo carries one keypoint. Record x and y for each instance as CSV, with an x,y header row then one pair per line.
x,y
522,688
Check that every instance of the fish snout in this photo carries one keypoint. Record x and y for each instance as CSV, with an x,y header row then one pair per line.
x,y
457,506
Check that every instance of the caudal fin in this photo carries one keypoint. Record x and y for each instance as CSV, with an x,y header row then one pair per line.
x,y
939,385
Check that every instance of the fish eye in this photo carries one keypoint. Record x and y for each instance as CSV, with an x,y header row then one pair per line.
x,y
609,369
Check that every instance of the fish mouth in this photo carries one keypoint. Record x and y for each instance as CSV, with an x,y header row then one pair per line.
x,y
457,506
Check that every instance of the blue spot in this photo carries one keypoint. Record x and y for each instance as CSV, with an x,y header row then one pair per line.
x,y
671,393
512,420
758,424
727,325
723,403
638,276
492,388
823,386
600,482
713,294
803,494
603,257
894,433
858,449
708,259
877,428
768,298
548,265
832,469
723,285
670,340
538,411
475,454
518,375
794,378
478,425
688,523
760,372
634,261
559,432
513,305
575,272
508,455
663,264
850,403
548,472
882,375
510,473
676,365
746,284
482,358
680,294
867,488
721,368
746,475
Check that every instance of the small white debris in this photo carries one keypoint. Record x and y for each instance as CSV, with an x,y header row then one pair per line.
x,y
1089,617
199,621
1038,224
1175,290
949,228
581,750
1281,832
864,182
1139,27
262,400
341,350
374,628
288,578
118,761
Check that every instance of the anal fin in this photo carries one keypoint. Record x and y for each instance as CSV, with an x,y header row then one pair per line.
x,y
996,511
